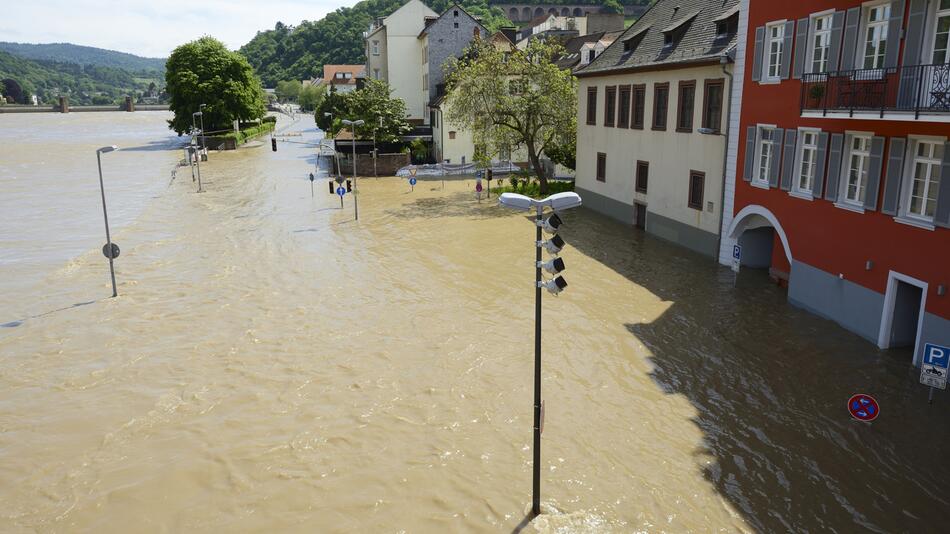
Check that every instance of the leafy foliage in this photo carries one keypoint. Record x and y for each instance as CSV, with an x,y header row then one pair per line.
x,y
85,55
311,97
517,99
205,72
373,104
288,90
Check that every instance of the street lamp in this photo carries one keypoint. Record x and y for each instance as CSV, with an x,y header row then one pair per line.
x,y
194,149
557,202
111,250
201,116
353,125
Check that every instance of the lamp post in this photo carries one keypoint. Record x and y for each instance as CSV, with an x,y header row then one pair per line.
x,y
197,159
557,202
375,175
110,251
201,117
353,125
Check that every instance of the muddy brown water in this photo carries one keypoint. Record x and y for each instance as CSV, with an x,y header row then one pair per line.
x,y
273,365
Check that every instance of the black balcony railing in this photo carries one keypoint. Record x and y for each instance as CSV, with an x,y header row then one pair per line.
x,y
917,88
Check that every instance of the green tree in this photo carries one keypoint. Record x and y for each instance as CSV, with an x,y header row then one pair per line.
x,y
375,105
565,152
205,72
612,6
334,104
521,99
288,90
311,97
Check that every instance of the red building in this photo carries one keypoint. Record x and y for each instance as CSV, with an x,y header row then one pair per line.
x,y
842,184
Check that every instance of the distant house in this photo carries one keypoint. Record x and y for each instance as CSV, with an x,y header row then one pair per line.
x,y
343,78
580,51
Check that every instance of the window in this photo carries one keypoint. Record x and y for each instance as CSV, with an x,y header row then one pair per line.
x,y
376,73
643,176
820,43
456,25
684,108
922,191
727,27
592,105
764,155
610,105
875,35
667,39
774,41
661,97
455,13
601,167
941,49
623,111
375,48
451,135
425,82
696,185
639,106
859,159
425,54
804,177
591,55
712,104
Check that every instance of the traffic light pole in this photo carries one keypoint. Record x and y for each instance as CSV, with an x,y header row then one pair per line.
x,y
536,483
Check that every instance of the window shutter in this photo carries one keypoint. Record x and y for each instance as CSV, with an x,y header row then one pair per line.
x,y
834,49
874,173
777,136
834,167
785,66
788,160
892,183
820,165
749,153
849,49
942,215
757,53
913,44
801,39
894,33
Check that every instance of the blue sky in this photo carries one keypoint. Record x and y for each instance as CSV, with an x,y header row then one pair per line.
x,y
151,28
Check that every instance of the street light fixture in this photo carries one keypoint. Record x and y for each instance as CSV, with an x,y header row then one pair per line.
x,y
353,125
111,250
557,202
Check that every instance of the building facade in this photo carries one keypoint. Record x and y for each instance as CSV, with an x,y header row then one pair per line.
x,y
443,38
842,174
652,123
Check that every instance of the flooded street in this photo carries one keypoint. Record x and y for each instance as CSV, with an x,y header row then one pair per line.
x,y
271,364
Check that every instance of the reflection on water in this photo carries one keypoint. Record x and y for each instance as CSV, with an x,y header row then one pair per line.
x,y
272,364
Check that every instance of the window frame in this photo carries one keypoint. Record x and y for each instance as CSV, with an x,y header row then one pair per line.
x,y
610,105
864,27
930,38
592,112
682,113
645,167
767,51
657,86
623,110
702,190
757,180
641,91
375,49
601,173
907,184
813,36
796,190
845,181
713,82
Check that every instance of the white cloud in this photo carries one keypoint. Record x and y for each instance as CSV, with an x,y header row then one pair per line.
x,y
149,28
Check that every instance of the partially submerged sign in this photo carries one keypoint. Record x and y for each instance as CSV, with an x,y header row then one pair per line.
x,y
736,257
934,367
110,250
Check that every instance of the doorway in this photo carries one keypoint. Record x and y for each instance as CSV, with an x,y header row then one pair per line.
x,y
640,215
904,304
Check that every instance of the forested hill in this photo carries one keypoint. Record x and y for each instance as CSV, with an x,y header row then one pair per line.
x,y
83,55
298,53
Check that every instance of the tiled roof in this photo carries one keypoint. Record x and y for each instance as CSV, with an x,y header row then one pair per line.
x,y
693,23
329,73
572,48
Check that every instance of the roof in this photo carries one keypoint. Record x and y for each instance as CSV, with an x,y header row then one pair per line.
x,y
573,46
478,20
540,19
329,73
693,22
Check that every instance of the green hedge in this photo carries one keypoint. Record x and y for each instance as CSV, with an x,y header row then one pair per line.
x,y
249,133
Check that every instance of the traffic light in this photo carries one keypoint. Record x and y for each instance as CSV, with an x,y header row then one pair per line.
x,y
330,183
349,186
273,144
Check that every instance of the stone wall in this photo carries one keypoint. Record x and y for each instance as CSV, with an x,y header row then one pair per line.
x,y
386,164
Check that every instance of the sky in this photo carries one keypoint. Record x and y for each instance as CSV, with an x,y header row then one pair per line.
x,y
151,28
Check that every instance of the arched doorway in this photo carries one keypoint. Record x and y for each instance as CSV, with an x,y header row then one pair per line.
x,y
764,243
565,12
538,11
526,14
513,14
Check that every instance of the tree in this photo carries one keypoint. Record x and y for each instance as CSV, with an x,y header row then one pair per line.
x,y
612,6
565,153
375,105
334,104
288,90
205,72
311,96
513,99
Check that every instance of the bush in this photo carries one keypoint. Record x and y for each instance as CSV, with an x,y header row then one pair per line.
x,y
247,133
270,118
531,188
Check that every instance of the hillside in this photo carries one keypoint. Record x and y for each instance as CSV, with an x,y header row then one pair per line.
x,y
83,55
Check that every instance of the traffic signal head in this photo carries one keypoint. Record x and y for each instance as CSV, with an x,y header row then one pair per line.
x,y
349,186
273,144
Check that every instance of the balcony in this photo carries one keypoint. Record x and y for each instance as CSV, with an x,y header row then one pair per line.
x,y
908,90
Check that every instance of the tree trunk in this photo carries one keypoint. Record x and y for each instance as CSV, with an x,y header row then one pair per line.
x,y
535,160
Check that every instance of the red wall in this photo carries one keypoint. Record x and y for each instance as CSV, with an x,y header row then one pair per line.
x,y
820,234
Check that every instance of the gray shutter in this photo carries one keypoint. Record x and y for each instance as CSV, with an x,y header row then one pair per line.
x,y
785,66
892,183
894,33
757,53
874,173
834,167
942,215
850,46
749,152
834,49
913,44
801,39
788,159
777,135
820,165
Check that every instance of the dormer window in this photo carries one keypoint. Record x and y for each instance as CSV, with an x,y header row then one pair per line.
x,y
667,39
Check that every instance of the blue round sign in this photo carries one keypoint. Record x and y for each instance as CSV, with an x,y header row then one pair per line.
x,y
863,407
412,181
340,191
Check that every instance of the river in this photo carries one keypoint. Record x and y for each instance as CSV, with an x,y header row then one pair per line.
x,y
271,364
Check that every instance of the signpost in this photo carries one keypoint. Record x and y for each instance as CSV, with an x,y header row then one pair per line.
x,y
863,407
341,191
934,367
412,178
736,261
311,185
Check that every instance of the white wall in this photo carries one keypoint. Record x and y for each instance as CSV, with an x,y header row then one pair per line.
x,y
377,62
404,54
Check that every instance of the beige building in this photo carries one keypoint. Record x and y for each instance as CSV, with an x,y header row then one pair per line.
x,y
653,122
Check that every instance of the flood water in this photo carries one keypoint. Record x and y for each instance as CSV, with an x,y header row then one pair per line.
x,y
271,364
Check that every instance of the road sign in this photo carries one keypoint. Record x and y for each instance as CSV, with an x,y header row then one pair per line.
x,y
412,181
412,171
110,252
863,407
341,191
736,257
934,367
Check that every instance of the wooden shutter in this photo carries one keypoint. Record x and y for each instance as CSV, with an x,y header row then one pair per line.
x,y
749,153
820,165
777,135
913,45
892,182
849,48
834,49
785,62
788,159
874,173
592,106
758,53
801,40
942,215
894,33
834,167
